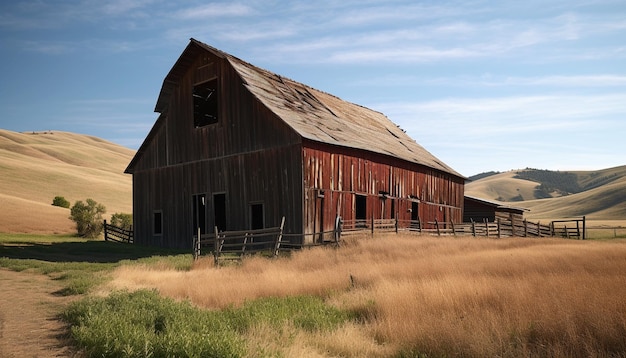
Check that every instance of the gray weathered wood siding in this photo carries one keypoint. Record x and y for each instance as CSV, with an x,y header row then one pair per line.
x,y
250,155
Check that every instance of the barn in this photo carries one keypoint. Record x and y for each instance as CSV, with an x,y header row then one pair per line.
x,y
478,210
239,147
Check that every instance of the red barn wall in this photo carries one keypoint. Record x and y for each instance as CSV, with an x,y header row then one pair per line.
x,y
389,184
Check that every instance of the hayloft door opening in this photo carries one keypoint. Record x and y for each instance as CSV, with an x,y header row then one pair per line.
x,y
199,214
360,210
205,109
219,211
257,219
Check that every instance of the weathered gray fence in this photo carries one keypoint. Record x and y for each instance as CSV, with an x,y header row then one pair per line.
x,y
227,245
117,234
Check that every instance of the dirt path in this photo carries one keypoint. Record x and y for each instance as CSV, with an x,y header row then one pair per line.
x,y
29,326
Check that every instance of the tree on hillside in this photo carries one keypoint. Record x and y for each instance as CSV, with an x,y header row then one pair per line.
x,y
88,218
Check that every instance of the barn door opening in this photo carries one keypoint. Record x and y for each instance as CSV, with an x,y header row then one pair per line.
x,y
199,214
219,211
257,216
415,224
360,210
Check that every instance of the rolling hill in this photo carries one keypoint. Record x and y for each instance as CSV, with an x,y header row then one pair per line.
x,y
599,195
37,166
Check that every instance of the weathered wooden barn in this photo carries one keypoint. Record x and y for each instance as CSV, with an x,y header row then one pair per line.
x,y
478,210
239,147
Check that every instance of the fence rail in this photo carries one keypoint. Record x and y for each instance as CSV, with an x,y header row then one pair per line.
x,y
117,234
499,228
228,245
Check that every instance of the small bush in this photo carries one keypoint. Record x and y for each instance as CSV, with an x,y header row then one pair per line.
x,y
60,201
122,220
88,218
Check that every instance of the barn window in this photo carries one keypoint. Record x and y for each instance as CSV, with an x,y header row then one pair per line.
x,y
205,103
257,216
158,223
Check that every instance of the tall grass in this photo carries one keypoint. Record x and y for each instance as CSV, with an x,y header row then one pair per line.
x,y
430,295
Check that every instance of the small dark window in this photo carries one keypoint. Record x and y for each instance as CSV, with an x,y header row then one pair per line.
x,y
205,103
257,217
158,223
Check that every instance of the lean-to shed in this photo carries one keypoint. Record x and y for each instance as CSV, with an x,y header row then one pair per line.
x,y
238,147
478,210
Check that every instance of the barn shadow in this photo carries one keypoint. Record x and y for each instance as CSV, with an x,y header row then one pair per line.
x,y
87,251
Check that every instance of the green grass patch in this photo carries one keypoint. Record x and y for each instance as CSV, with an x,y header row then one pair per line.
x,y
82,264
143,324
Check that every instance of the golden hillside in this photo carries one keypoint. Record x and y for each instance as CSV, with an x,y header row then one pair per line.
x,y
37,166
601,194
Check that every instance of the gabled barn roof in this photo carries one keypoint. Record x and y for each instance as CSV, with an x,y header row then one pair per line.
x,y
313,114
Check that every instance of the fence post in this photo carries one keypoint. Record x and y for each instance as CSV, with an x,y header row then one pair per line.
x,y
437,226
372,225
396,224
473,227
584,227
106,237
498,226
486,226
453,230
279,237
525,228
216,249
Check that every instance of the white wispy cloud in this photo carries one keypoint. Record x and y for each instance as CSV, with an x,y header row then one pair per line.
x,y
523,114
213,10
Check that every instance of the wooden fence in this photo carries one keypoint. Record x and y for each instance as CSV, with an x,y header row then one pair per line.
x,y
228,245
569,228
499,228
117,234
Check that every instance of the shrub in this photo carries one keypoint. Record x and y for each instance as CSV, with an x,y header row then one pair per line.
x,y
88,218
60,201
122,220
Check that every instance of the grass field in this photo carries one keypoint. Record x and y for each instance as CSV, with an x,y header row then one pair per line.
x,y
387,296
429,295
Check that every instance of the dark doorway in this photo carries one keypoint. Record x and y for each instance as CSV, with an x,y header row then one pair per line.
x,y
360,210
219,211
257,219
199,213
414,211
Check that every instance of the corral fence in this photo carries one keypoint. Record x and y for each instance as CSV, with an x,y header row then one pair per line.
x,y
499,228
117,234
228,245
232,245
569,228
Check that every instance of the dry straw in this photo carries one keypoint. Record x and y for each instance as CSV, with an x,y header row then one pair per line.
x,y
434,295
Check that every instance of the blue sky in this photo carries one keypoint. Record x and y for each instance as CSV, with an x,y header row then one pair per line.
x,y
483,85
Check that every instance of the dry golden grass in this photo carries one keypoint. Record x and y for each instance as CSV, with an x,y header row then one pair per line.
x,y
36,167
435,295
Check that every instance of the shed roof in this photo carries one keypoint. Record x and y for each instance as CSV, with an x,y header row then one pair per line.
x,y
315,115
495,204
